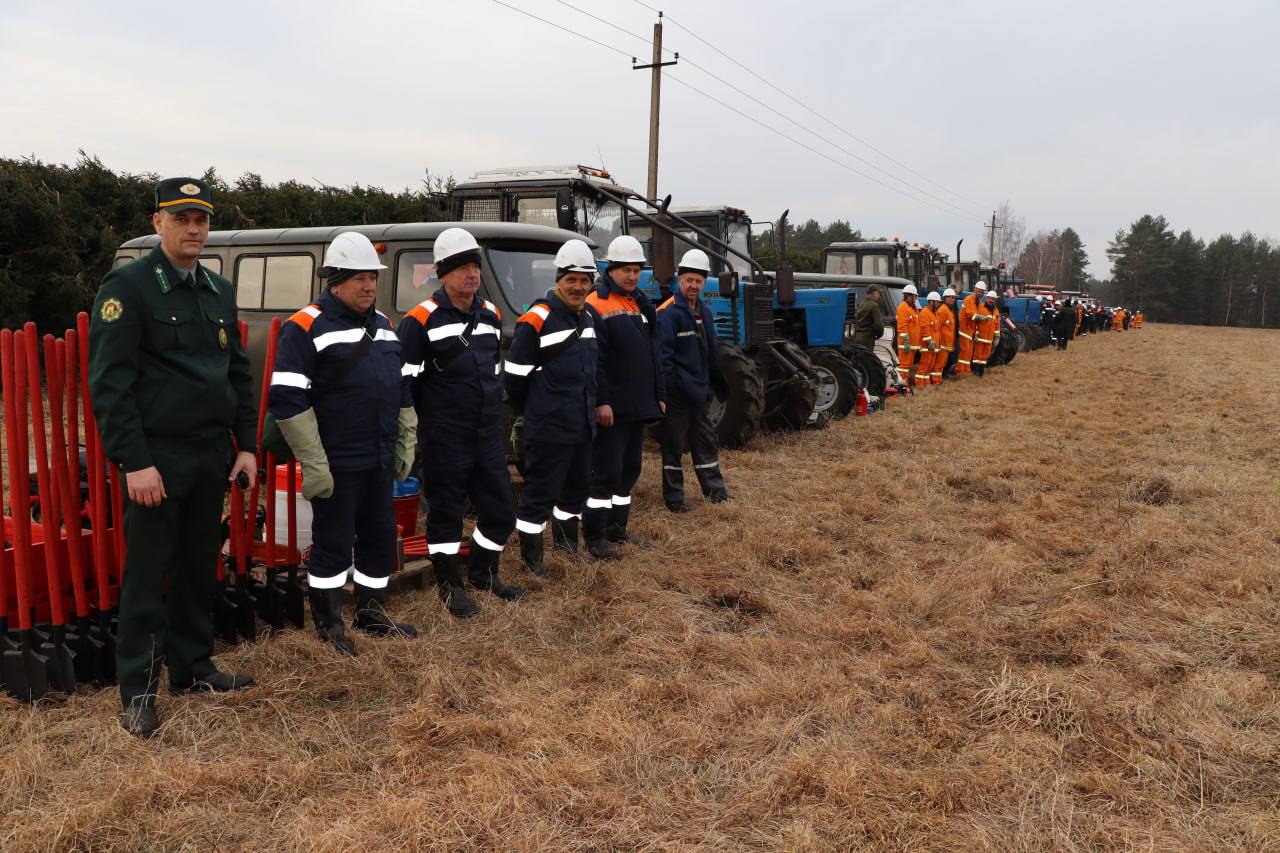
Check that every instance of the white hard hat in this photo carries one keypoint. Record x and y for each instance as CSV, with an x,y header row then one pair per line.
x,y
991,294
575,256
625,249
982,285
695,260
910,289
950,291
454,248
352,251
933,297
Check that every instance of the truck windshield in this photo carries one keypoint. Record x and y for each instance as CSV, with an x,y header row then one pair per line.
x,y
522,273
876,265
842,263
601,220
738,236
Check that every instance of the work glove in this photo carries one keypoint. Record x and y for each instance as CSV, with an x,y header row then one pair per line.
x,y
406,442
303,434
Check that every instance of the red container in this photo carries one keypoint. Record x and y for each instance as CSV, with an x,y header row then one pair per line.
x,y
406,510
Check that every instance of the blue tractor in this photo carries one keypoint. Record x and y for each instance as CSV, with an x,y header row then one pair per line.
x,y
772,383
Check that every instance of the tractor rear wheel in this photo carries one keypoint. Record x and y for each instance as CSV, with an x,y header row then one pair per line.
x,y
738,418
790,394
870,370
838,383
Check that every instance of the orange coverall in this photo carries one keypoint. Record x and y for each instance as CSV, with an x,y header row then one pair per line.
x,y
928,346
908,340
987,332
946,339
967,328
1117,321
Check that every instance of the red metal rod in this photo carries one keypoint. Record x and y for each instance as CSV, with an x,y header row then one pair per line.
x,y
7,583
55,360
100,540
291,508
250,517
68,361
50,511
268,460
15,423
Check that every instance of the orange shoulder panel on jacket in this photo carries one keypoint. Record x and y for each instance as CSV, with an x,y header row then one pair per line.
x,y
305,317
670,299
535,316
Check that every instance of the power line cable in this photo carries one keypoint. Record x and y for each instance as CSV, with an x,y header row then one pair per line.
x,y
806,107
732,108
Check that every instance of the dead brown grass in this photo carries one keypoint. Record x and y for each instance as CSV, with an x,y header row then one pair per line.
x,y
1052,625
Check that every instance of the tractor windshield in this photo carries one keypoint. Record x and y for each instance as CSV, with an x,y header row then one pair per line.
x,y
877,265
842,263
601,220
523,274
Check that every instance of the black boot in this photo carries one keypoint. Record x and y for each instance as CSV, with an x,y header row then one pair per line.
x,y
448,582
531,549
450,586
483,571
617,532
603,549
372,618
326,613
564,535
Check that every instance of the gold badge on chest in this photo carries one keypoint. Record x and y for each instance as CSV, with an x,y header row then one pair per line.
x,y
222,338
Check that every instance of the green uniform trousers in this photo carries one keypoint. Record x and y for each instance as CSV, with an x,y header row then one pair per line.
x,y
166,596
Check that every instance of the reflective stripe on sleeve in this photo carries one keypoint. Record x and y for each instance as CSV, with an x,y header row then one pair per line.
x,y
346,336
552,338
485,329
448,330
291,380
386,335
517,369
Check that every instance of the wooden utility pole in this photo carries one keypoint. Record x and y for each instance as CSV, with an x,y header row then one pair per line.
x,y
993,228
655,98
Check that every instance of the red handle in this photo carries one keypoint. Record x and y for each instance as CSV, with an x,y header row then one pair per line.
x,y
7,582
55,360
50,501
99,508
14,369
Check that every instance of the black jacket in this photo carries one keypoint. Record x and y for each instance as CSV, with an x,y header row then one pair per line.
x,y
629,373
550,372
690,352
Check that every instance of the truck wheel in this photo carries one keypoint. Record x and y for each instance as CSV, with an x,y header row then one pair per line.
x,y
790,396
870,369
838,383
737,420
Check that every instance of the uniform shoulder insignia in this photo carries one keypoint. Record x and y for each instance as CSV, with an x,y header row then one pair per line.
x,y
112,309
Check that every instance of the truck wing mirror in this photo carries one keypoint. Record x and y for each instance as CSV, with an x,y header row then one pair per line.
x,y
566,217
729,284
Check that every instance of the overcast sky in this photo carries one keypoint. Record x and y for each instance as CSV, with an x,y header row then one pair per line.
x,y
1081,114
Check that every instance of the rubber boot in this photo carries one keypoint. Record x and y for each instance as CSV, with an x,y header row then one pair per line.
x,y
483,571
603,549
450,586
564,535
326,613
372,618
531,551
616,531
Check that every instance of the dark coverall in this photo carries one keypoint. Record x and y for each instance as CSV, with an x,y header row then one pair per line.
x,y
464,453
629,379
550,374
691,368
358,422
170,384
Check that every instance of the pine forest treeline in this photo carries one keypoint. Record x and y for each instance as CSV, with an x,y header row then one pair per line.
x,y
60,225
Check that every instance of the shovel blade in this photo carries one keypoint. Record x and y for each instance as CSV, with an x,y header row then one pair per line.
x,y
226,617
246,605
294,598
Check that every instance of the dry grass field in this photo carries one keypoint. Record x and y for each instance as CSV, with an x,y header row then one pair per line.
x,y
1032,611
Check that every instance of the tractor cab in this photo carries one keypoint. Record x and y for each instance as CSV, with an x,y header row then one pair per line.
x,y
554,196
866,257
729,226
963,276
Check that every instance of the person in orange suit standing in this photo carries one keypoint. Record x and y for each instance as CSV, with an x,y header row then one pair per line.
x,y
968,327
946,330
987,332
932,357
1117,320
908,334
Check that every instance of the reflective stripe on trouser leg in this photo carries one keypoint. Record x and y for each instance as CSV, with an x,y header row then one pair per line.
x,y
555,477
333,532
675,439
467,463
375,545
478,537
705,451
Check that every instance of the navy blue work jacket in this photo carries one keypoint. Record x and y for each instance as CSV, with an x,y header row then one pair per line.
x,y
358,419
629,373
690,354
556,393
468,393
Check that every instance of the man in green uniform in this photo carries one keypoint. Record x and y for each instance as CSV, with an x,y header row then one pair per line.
x,y
170,385
868,321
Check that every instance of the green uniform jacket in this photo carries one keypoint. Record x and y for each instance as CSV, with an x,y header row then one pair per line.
x,y
868,323
165,361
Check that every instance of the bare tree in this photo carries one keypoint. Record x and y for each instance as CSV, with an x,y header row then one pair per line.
x,y
1011,237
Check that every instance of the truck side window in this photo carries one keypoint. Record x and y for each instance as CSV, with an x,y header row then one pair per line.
x,y
415,278
213,263
275,282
